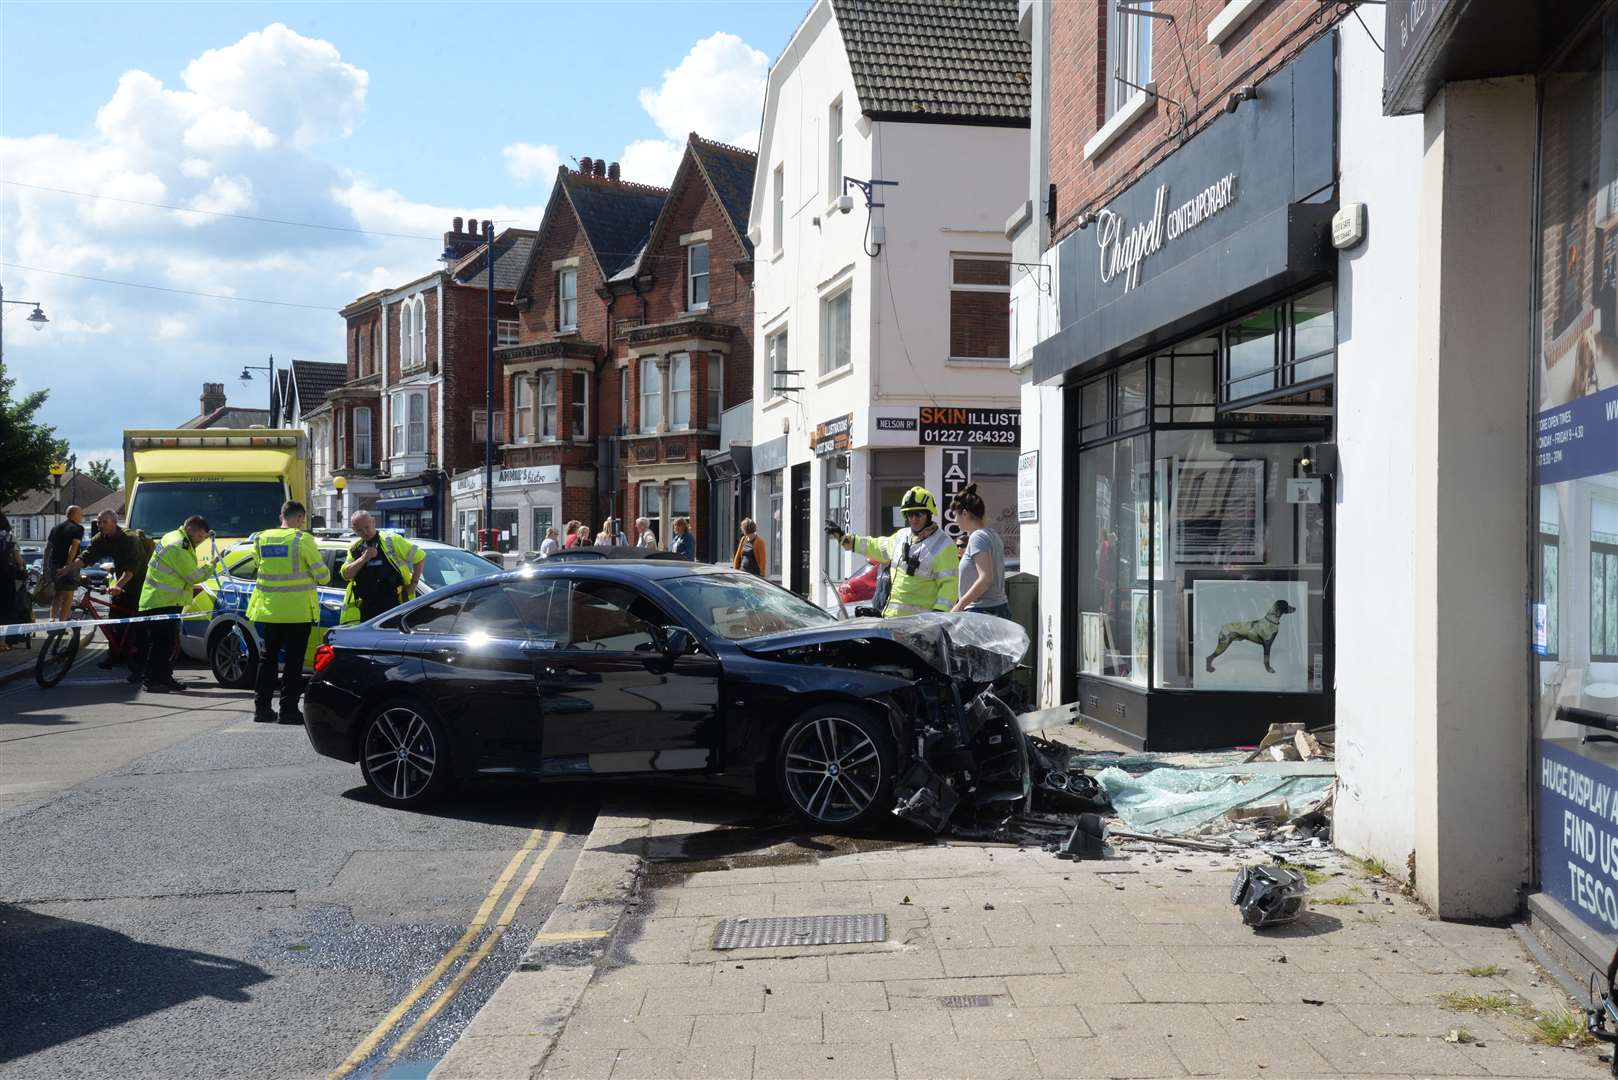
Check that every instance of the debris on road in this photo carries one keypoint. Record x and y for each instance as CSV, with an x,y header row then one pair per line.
x,y
1268,895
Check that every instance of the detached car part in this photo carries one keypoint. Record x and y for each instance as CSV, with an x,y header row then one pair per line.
x,y
1268,895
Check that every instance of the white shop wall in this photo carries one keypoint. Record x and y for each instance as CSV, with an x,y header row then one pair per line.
x,y
1376,487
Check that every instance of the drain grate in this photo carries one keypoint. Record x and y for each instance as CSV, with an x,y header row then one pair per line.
x,y
966,1001
767,933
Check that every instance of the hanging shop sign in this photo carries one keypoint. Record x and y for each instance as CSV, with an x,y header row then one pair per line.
x,y
833,435
957,474
1028,486
951,426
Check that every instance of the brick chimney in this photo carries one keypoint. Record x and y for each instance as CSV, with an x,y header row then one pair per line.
x,y
612,171
213,397
586,165
458,241
601,168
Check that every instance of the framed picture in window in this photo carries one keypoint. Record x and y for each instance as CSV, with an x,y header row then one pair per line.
x,y
1142,614
1219,512
1151,519
1093,644
1250,635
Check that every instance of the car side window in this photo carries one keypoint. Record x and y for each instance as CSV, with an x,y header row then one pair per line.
x,y
543,606
436,618
242,565
490,612
334,560
606,615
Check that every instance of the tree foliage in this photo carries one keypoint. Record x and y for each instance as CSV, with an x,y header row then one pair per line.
x,y
27,446
102,472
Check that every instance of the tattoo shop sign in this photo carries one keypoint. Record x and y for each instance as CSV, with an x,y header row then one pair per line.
x,y
833,436
1578,834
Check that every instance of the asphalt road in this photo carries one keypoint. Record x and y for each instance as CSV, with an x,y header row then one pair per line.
x,y
184,892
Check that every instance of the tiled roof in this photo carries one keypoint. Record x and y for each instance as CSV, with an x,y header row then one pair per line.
x,y
616,216
315,377
113,502
511,250
43,500
229,416
960,61
730,170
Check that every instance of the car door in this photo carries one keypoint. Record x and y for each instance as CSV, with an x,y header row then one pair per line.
x,y
614,702
475,650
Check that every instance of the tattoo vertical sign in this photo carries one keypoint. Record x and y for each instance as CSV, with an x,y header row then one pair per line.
x,y
957,471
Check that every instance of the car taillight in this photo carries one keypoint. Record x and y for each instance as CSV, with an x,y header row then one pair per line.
x,y
323,657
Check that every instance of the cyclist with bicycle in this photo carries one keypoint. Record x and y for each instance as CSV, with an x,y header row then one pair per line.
x,y
130,552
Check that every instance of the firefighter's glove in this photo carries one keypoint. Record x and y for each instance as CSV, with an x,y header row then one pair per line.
x,y
834,529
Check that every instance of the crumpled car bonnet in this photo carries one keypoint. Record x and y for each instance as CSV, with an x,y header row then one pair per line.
x,y
963,645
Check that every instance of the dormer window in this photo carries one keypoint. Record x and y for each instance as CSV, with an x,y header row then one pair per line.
x,y
696,276
567,300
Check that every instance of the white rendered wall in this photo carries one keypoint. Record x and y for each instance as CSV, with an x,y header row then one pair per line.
x,y
1380,165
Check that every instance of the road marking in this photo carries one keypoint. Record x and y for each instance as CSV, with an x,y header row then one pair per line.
x,y
572,935
477,957
369,1044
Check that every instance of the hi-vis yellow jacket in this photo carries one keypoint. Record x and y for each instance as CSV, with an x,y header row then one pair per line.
x,y
400,553
931,586
171,573
289,570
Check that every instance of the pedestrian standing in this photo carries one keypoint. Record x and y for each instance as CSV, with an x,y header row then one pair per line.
x,y
383,570
647,538
284,608
604,538
684,544
572,537
550,545
582,537
750,554
170,576
13,580
61,574
982,571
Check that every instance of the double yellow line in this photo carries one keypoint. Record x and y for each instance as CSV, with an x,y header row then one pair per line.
x,y
542,840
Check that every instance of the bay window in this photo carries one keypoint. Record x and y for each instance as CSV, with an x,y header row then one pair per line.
x,y
547,406
680,392
716,390
651,395
362,437
581,405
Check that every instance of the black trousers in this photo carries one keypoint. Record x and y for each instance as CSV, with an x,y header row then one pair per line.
x,y
276,637
157,658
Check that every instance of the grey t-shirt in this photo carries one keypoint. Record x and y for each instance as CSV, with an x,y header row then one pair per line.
x,y
984,540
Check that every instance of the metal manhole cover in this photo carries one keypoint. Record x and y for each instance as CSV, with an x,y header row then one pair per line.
x,y
966,1001
768,933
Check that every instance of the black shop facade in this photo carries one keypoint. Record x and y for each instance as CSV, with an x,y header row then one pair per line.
x,y
1196,355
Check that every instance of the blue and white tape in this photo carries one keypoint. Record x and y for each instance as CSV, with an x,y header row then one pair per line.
x,y
69,624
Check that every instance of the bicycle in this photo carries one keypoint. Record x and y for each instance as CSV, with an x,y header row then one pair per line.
x,y
61,647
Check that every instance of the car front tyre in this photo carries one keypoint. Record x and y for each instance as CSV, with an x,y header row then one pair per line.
x,y
835,767
233,656
403,754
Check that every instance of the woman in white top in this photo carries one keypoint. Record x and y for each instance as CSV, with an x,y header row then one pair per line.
x,y
550,545
648,538
983,564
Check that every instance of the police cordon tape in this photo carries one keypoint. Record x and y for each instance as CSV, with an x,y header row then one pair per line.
x,y
69,624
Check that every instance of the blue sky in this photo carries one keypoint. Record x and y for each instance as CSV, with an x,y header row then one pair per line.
x,y
387,117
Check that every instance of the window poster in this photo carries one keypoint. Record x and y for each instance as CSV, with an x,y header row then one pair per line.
x,y
1093,646
1151,522
1250,635
1142,616
1219,512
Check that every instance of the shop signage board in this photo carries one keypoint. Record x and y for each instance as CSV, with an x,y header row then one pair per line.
x,y
1124,247
1028,486
957,474
1578,834
770,455
520,477
1578,439
942,425
896,423
833,436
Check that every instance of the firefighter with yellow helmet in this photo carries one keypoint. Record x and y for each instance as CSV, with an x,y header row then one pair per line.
x,y
923,559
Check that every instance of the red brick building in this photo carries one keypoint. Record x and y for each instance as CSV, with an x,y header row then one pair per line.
x,y
636,309
411,413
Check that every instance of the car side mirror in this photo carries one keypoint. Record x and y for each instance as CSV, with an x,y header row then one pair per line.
x,y
678,642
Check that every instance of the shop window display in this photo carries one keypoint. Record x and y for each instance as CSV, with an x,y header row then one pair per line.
x,y
1203,542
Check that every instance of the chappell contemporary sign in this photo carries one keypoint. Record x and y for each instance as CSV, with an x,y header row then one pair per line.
x,y
1123,248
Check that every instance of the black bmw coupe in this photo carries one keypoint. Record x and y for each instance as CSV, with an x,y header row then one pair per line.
x,y
640,669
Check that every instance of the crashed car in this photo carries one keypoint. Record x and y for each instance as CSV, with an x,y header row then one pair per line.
x,y
648,668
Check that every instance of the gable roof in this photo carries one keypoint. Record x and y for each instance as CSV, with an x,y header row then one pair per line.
x,y
311,380
512,248
616,217
229,416
951,61
43,500
113,501
727,174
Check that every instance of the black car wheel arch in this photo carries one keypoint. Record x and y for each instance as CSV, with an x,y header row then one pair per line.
x,y
403,752
241,674
835,765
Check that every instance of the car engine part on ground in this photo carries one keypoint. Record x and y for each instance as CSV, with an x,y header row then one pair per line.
x,y
1268,895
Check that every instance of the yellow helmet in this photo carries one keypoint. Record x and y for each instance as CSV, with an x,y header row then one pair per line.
x,y
919,498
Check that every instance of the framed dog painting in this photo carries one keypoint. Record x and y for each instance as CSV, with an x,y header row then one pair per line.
x,y
1251,635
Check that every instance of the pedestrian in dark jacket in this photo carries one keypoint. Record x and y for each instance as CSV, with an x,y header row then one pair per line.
x,y
684,544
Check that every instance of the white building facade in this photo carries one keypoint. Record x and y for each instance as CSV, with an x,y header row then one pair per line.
x,y
880,342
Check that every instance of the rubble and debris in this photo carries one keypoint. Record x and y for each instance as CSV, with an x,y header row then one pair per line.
x,y
1268,895
1087,841
1182,800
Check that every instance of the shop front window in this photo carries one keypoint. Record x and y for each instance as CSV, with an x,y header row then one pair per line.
x,y
834,474
505,524
772,501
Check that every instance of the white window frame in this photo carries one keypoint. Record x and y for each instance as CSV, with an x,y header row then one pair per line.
x,y
778,181
1129,53
716,389
362,444
1003,290
653,489
834,150
674,509
567,300
522,406
416,427
692,276
778,348
651,395
499,426
407,335
506,331
548,414
680,396
580,406
396,433
827,348
623,398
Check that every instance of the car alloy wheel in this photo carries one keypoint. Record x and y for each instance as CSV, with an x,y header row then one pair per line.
x,y
234,658
401,755
833,770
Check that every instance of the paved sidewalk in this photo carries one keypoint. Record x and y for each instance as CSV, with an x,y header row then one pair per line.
x,y
1011,963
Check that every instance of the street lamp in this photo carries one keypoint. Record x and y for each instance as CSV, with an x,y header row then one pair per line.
x,y
36,319
269,370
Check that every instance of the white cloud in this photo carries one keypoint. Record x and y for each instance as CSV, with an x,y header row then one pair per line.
x,y
295,85
527,162
716,90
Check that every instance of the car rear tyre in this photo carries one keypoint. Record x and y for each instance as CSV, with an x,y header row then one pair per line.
x,y
403,754
835,767
233,655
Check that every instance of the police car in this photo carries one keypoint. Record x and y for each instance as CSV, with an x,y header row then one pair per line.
x,y
226,639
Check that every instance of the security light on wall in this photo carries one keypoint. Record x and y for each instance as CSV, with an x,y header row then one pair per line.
x,y
843,204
